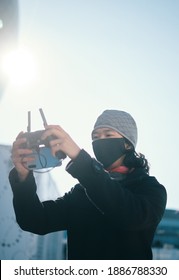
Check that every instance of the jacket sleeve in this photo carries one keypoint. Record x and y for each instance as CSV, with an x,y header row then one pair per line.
x,y
138,207
32,214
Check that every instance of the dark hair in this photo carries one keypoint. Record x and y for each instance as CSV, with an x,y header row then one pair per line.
x,y
135,160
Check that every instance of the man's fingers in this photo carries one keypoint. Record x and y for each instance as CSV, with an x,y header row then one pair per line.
x,y
19,135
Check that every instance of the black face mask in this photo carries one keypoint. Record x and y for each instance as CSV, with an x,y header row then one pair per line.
x,y
108,150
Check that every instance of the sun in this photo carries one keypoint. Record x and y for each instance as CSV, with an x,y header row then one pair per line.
x,y
20,67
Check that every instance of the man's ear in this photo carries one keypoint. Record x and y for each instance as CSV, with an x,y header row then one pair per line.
x,y
128,146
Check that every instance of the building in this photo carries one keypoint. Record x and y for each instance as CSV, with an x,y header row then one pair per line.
x,y
166,240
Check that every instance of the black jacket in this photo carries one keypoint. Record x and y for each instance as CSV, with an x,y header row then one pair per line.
x,y
105,217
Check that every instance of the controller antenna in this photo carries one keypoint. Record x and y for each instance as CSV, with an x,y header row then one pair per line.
x,y
43,117
29,122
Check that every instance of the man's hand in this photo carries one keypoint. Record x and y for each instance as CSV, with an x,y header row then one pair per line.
x,y
19,156
63,141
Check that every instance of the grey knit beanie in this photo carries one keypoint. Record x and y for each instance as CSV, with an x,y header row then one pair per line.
x,y
119,121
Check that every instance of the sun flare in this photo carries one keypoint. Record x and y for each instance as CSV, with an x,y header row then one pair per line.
x,y
20,67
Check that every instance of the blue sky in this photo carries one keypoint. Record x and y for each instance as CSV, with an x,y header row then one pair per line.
x,y
94,55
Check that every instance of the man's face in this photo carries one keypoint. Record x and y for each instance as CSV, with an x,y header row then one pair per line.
x,y
108,151
101,133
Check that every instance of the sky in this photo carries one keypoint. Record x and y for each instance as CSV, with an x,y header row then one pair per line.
x,y
94,55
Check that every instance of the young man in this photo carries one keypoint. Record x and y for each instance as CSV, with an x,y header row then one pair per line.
x,y
113,212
